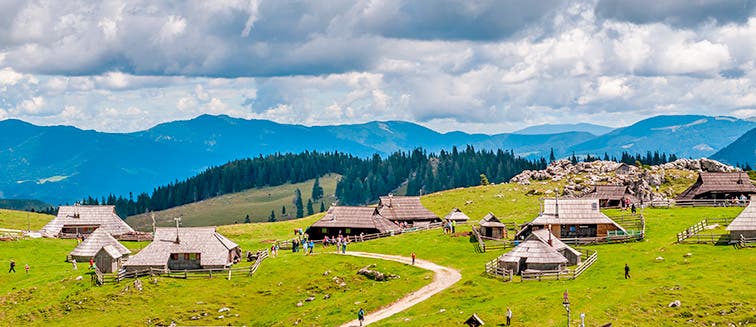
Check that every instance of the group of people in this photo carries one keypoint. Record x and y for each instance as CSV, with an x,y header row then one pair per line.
x,y
450,226
13,267
739,201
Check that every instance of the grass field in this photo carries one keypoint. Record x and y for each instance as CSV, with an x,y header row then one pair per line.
x,y
22,220
231,208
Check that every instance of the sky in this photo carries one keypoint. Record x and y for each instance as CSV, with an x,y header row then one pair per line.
x,y
476,66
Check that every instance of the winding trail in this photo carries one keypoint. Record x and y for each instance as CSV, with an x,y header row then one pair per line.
x,y
443,278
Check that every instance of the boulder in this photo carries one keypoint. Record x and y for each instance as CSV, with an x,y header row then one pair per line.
x,y
675,304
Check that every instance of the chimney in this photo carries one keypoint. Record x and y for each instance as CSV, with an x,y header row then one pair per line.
x,y
178,220
391,196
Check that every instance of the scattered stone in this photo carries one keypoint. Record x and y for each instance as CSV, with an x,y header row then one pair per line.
x,y
220,317
357,303
224,309
675,304
688,255
236,315
280,283
199,302
138,284
204,314
79,278
299,304
194,318
342,284
658,259
374,274
442,310
327,296
310,299
326,273
468,202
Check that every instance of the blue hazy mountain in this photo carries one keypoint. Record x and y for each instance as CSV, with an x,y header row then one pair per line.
x,y
742,151
564,128
686,136
60,164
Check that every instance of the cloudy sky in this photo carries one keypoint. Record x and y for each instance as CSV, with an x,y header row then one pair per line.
x,y
476,66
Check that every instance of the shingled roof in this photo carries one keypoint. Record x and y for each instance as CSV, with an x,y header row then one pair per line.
x,y
457,215
96,241
572,212
534,251
404,208
544,235
610,192
746,220
355,217
491,221
103,216
213,247
734,182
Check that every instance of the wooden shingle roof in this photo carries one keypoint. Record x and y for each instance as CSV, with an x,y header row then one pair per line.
x,y
489,220
78,215
746,220
404,208
536,249
355,217
572,212
213,247
97,240
734,182
457,215
544,235
610,192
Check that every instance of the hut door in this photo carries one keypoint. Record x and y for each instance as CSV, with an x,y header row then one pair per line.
x,y
522,266
489,232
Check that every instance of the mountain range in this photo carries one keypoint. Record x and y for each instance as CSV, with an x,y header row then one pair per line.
x,y
60,164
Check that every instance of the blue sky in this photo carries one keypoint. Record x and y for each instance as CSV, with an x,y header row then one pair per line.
x,y
476,66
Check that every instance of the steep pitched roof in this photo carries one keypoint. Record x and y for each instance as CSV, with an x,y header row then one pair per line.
x,y
572,212
404,208
355,217
610,192
97,240
104,216
457,215
535,251
544,235
746,220
490,221
111,251
734,182
213,247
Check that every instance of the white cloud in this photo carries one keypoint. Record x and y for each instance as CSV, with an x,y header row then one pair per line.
x,y
9,77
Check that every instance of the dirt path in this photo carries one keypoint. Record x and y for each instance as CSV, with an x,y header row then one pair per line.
x,y
443,278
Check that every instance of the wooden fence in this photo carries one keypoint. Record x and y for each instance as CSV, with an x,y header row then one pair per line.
x,y
694,234
493,269
589,258
287,244
487,243
712,203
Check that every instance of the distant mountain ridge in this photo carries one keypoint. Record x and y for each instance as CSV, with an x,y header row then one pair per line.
x,y
742,151
59,164
564,128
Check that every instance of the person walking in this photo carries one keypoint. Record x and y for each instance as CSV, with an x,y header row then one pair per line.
x,y
73,263
627,271
509,316
26,267
91,263
312,246
413,258
454,226
632,208
12,266
361,316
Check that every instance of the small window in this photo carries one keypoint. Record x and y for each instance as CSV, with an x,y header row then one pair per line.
x,y
186,256
192,256
348,231
594,206
174,256
324,230
198,256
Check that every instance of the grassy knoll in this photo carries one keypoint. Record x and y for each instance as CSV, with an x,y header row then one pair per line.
x,y
230,208
256,236
51,296
12,219
715,285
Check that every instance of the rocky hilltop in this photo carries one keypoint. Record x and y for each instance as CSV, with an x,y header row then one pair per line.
x,y
643,182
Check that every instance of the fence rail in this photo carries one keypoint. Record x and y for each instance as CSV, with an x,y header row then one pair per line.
x,y
493,269
590,258
287,244
693,234
712,203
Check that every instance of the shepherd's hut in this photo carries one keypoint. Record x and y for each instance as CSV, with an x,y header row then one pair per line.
x,y
93,243
719,186
109,259
572,218
541,251
492,227
611,196
185,248
744,225
344,220
457,215
77,220
406,209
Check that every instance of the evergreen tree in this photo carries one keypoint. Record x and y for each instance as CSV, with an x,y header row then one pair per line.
x,y
317,191
606,156
322,206
310,210
484,180
283,211
298,203
247,220
272,217
551,156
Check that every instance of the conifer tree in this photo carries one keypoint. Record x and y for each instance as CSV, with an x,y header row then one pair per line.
x,y
322,206
283,211
310,210
298,203
272,217
551,155
317,190
247,220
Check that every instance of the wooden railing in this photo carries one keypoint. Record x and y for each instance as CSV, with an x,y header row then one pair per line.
x,y
261,255
493,269
712,203
286,245
693,234
589,258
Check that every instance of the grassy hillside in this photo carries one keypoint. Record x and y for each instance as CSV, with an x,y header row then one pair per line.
x,y
233,208
12,219
24,205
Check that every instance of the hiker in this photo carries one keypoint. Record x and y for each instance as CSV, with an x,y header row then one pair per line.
x,y
304,247
73,263
312,246
413,258
12,266
361,316
454,226
26,267
509,316
627,271
632,208
343,245
91,263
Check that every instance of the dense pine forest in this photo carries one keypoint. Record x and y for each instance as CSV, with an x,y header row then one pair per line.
x,y
363,179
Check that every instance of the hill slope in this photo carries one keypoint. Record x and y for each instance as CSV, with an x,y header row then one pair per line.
x,y
742,151
686,136
564,128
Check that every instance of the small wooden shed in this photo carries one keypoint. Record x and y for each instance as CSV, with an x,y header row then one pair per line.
x,y
345,220
744,225
78,220
572,218
108,259
541,251
93,243
719,186
406,209
611,196
457,215
492,227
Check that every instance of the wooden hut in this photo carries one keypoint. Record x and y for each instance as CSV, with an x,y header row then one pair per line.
x,y
624,169
541,251
571,218
719,186
406,209
492,227
457,215
185,248
611,196
343,220
108,259
78,220
744,225
93,243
